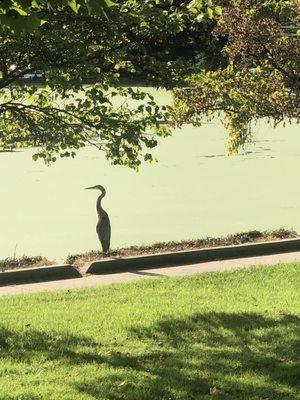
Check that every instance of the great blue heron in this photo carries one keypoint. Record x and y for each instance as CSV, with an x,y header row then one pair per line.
x,y
103,226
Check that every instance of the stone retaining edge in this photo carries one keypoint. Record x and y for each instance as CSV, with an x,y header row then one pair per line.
x,y
190,257
38,274
67,271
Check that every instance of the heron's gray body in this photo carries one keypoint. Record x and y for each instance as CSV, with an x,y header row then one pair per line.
x,y
104,231
103,228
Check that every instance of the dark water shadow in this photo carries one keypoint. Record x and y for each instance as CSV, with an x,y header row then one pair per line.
x,y
245,155
269,141
214,155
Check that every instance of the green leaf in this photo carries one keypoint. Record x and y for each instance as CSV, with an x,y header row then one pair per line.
x,y
74,6
218,10
19,10
34,4
5,5
209,13
30,23
195,4
24,3
110,3
200,17
96,6
19,23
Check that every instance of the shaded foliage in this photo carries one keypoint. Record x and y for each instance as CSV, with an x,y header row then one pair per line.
x,y
262,77
24,15
130,39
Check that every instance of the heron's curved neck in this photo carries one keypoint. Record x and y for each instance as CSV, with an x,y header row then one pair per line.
x,y
98,204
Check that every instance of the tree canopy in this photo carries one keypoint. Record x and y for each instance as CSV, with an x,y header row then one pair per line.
x,y
24,15
82,55
235,59
261,79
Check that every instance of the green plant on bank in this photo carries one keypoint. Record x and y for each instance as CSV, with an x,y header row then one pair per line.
x,y
22,262
230,336
262,78
234,239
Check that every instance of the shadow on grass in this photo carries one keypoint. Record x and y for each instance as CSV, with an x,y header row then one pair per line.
x,y
233,356
24,346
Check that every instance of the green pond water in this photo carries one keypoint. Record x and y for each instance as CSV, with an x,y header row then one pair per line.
x,y
194,191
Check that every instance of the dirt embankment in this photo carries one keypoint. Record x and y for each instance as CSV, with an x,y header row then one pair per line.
x,y
80,259
239,238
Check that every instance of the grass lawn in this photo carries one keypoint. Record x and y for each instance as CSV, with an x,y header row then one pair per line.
x,y
229,335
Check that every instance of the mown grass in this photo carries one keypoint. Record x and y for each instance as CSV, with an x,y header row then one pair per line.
x,y
229,335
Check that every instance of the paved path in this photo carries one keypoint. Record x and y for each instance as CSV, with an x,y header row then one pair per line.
x,y
192,269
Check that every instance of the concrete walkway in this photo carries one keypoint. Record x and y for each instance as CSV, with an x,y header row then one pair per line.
x,y
97,280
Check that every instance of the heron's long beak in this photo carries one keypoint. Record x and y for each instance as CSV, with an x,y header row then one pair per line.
x,y
91,187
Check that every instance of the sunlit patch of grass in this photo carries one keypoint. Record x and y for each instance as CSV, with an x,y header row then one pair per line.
x,y
229,335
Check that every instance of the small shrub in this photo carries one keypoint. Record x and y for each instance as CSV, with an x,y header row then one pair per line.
x,y
282,233
22,262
